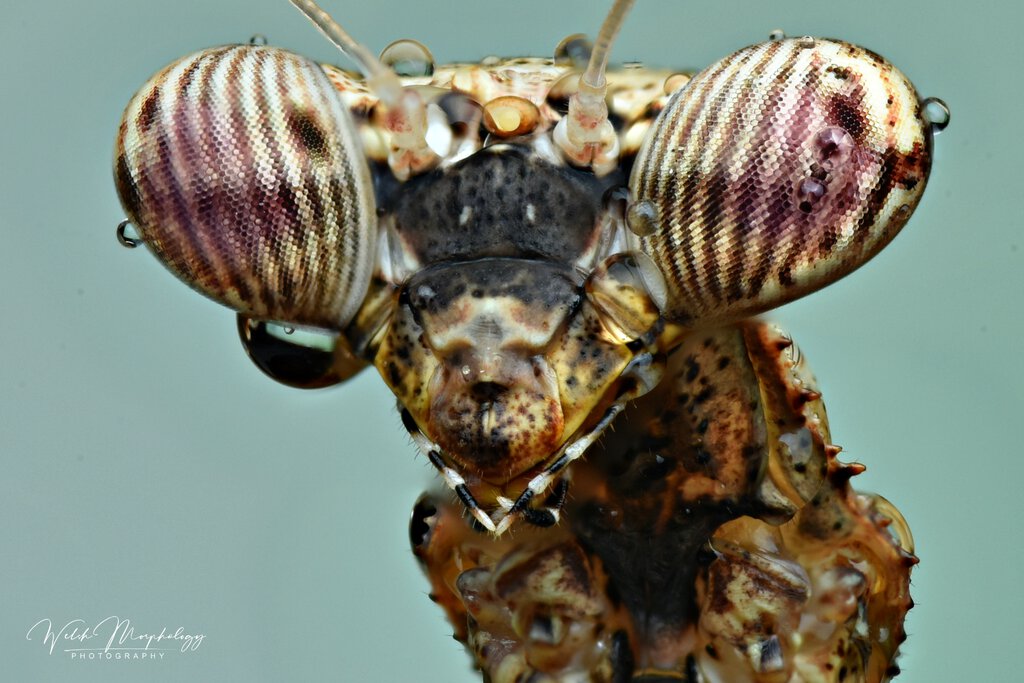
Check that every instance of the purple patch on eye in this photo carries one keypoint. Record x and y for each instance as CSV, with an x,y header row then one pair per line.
x,y
809,194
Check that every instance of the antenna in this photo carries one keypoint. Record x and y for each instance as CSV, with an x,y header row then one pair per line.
x,y
405,112
585,134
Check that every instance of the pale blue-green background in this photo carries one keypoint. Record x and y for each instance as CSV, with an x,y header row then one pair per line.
x,y
149,471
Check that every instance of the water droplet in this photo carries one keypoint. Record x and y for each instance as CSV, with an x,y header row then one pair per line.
x,y
833,147
124,239
776,35
642,218
297,358
809,194
573,51
408,58
935,113
897,528
675,82
903,211
258,39
807,42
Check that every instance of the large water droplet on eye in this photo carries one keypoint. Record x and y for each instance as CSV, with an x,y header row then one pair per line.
x,y
833,147
642,218
809,194
297,358
776,35
258,39
573,51
936,113
408,58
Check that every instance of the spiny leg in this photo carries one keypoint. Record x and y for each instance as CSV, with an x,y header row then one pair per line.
x,y
452,478
550,513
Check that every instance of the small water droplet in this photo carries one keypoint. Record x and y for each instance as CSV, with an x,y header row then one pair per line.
x,y
573,51
809,194
258,39
807,42
288,330
675,82
776,35
833,146
408,58
124,239
935,113
642,218
466,371
903,211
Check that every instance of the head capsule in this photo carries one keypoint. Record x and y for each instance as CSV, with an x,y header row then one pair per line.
x,y
516,332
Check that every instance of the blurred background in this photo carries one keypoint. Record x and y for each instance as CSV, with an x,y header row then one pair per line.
x,y
149,471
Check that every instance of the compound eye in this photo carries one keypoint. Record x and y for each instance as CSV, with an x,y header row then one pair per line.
x,y
241,169
774,172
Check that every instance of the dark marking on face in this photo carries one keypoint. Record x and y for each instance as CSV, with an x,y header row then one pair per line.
x,y
704,395
534,283
500,203
692,369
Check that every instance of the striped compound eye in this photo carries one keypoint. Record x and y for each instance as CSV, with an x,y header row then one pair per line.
x,y
240,168
774,172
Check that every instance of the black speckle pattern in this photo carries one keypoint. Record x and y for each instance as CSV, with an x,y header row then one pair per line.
x,y
500,203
